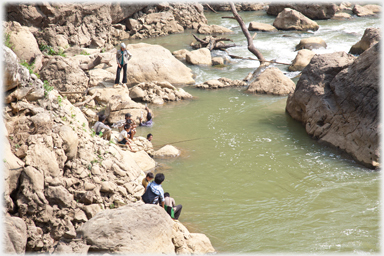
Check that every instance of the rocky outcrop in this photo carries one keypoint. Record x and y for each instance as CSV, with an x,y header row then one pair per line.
x,y
256,26
23,43
336,99
212,29
313,11
362,11
301,60
166,152
222,82
239,7
201,56
311,43
149,229
371,37
272,81
290,19
155,63
157,93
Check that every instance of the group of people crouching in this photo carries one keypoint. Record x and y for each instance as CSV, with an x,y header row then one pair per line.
x,y
127,128
154,194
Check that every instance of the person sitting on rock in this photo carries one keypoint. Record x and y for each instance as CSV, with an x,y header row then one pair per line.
x,y
170,206
123,136
120,124
122,58
132,132
149,119
154,194
149,137
147,180
100,128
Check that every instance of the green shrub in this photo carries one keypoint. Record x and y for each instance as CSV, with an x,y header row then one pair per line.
x,y
7,41
84,52
47,88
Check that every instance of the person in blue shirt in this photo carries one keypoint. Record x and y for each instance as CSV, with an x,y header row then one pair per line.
x,y
154,194
122,58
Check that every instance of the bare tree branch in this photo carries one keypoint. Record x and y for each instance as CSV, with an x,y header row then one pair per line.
x,y
246,33
210,8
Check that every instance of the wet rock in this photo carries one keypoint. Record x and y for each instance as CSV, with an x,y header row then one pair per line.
x,y
199,57
14,235
311,43
166,151
301,60
290,19
212,29
272,81
222,82
256,26
312,11
217,61
371,37
336,99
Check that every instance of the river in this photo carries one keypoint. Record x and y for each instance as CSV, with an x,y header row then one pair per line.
x,y
254,181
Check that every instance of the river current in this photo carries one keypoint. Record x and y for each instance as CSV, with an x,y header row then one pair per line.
x,y
253,181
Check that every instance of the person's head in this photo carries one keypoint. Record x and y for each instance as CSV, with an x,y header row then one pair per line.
x,y
128,116
127,127
166,194
102,118
149,176
159,178
123,46
149,136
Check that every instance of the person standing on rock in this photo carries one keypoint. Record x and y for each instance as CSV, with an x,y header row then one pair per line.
x,y
122,58
155,193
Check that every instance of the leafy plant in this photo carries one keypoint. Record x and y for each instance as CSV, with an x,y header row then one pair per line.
x,y
112,206
47,88
93,134
83,52
103,50
60,100
7,41
64,118
73,115
50,51
17,146
4,160
83,124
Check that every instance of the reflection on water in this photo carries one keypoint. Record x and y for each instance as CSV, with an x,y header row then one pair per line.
x,y
257,182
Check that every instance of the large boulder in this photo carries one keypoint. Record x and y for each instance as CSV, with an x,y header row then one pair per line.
x,y
272,81
212,29
201,56
104,95
290,19
144,161
313,11
166,151
149,229
101,77
180,54
14,235
257,26
301,60
23,43
65,75
362,11
117,108
371,37
336,99
155,63
311,43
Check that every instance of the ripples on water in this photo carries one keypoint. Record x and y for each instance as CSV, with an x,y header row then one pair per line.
x,y
257,182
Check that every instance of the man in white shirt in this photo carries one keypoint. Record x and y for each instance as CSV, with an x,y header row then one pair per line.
x,y
101,128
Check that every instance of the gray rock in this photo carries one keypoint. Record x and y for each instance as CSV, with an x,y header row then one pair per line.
x,y
290,19
312,11
14,235
59,196
371,37
272,81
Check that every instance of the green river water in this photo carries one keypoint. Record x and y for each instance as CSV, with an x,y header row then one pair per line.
x,y
256,182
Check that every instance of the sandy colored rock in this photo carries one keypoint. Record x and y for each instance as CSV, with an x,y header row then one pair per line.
x,y
59,196
212,29
371,37
217,61
70,141
101,77
199,57
361,11
341,16
164,66
145,162
256,26
180,54
336,99
222,82
301,60
375,8
290,19
316,11
166,151
14,235
272,81
311,43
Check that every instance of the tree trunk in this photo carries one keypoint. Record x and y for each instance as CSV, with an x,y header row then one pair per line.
x,y
251,47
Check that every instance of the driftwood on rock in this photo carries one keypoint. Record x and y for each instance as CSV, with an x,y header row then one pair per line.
x,y
212,43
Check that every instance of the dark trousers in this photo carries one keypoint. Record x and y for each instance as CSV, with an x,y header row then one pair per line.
x,y
177,211
117,80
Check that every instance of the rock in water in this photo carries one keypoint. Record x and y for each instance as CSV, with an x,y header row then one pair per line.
x,y
313,11
272,81
336,99
302,59
290,19
371,36
166,151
